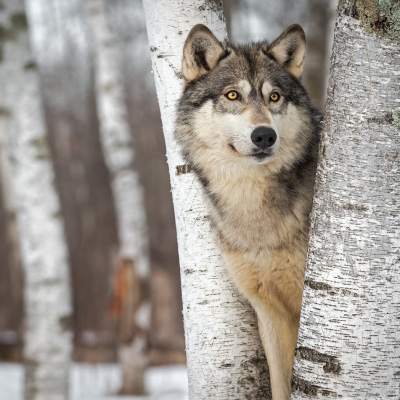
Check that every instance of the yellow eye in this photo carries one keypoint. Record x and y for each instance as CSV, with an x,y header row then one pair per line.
x,y
275,96
232,95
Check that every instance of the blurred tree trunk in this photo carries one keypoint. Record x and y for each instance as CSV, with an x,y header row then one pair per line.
x,y
225,356
11,278
47,287
253,20
166,334
320,22
349,338
130,303
63,51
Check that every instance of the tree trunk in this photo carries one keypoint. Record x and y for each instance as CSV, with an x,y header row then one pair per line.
x,y
63,50
47,298
224,353
349,338
133,267
321,17
253,20
11,277
166,334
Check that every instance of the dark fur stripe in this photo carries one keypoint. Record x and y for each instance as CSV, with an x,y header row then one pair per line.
x,y
200,58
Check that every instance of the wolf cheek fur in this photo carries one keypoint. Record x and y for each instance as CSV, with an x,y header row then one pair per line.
x,y
246,126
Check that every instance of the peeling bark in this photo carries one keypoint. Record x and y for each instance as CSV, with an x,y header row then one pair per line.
x,y
349,340
224,354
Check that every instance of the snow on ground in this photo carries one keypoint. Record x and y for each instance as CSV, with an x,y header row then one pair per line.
x,y
101,382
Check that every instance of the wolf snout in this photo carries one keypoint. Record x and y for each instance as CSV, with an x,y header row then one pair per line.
x,y
263,137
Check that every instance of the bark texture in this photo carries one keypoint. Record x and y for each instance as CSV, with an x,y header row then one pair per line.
x,y
48,336
224,352
349,340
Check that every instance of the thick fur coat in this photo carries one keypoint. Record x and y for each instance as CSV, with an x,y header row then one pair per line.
x,y
247,128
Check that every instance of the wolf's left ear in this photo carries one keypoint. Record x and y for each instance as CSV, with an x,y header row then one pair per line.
x,y
201,53
289,50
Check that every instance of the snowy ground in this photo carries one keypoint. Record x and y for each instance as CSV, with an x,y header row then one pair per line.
x,y
99,382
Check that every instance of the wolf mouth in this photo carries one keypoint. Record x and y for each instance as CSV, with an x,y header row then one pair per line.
x,y
261,155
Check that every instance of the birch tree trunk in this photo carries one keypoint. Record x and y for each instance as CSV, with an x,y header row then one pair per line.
x,y
133,266
321,17
63,49
166,337
253,20
224,354
47,299
349,338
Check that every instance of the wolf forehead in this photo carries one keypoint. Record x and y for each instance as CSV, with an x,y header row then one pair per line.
x,y
247,67
210,67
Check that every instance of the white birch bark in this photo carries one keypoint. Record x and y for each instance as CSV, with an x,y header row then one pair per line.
x,y
224,353
116,139
349,338
47,299
128,194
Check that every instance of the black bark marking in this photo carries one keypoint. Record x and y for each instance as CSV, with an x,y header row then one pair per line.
x,y
318,285
329,289
381,119
304,386
301,385
331,363
356,207
183,169
188,271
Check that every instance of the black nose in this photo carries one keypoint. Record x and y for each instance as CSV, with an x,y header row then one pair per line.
x,y
263,137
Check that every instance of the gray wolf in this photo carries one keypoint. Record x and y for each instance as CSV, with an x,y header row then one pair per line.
x,y
247,128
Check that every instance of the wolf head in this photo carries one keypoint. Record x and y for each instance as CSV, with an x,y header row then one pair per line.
x,y
244,105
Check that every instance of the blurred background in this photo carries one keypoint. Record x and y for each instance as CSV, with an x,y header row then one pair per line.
x,y
86,217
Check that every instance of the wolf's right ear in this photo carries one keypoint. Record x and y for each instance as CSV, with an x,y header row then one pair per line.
x,y
201,53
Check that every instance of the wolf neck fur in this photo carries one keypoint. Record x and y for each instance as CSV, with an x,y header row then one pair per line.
x,y
239,193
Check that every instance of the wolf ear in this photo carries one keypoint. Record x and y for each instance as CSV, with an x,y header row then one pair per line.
x,y
201,53
289,50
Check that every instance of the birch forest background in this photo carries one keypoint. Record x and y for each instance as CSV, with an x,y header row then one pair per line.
x,y
90,298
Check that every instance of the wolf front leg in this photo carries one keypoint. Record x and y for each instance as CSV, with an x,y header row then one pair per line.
x,y
275,291
278,332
